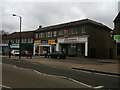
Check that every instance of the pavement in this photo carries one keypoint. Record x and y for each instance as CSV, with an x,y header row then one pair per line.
x,y
106,66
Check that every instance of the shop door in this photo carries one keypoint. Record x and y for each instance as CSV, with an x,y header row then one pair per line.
x,y
72,50
81,49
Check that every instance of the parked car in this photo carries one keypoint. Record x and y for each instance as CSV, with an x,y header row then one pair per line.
x,y
15,52
26,53
58,55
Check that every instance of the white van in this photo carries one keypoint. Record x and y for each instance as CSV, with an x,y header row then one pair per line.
x,y
15,52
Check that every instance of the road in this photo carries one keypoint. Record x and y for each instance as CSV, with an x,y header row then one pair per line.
x,y
14,77
87,79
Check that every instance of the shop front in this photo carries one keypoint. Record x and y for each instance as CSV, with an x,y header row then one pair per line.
x,y
74,46
42,46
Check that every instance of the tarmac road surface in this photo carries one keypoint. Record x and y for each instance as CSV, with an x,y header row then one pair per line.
x,y
87,79
14,77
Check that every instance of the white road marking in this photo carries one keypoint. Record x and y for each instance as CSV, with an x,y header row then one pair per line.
x,y
98,87
83,71
37,71
15,66
5,86
80,82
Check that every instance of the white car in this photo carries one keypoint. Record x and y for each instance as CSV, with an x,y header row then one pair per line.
x,y
15,52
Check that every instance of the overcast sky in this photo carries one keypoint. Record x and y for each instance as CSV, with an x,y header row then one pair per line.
x,y
52,12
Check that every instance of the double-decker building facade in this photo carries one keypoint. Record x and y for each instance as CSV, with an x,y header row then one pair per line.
x,y
82,38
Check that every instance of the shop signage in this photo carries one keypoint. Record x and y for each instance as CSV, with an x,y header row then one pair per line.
x,y
14,45
44,41
70,39
37,41
117,38
66,33
51,41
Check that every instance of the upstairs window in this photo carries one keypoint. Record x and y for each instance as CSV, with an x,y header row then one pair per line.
x,y
61,32
31,40
36,35
55,33
73,31
83,29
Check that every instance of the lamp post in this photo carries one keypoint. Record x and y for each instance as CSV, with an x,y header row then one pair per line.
x,y
20,35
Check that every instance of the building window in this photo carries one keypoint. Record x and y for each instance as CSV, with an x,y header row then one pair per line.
x,y
31,40
42,35
22,40
36,35
25,40
83,29
73,31
39,35
16,41
49,34
46,34
61,32
55,33
28,40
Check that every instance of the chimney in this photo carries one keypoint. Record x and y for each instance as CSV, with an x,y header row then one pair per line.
x,y
40,26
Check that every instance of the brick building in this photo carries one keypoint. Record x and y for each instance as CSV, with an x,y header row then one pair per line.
x,y
117,32
27,40
82,38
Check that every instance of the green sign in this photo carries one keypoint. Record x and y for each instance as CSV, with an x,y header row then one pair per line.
x,y
14,45
66,35
116,37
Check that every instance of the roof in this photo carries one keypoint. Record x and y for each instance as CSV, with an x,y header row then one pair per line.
x,y
25,34
117,18
74,23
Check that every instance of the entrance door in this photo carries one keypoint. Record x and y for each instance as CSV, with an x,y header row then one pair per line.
x,y
81,49
72,49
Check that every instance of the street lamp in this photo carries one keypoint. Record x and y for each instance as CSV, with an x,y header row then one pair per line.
x,y
20,34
